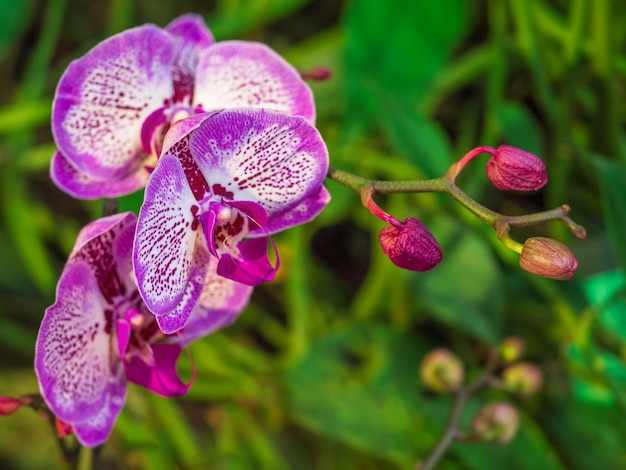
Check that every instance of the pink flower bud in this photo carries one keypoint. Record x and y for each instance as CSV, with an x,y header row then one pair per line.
x,y
513,169
62,428
522,378
548,258
442,371
317,74
9,405
410,245
496,422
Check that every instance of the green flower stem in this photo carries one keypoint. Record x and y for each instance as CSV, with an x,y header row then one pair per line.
x,y
501,223
452,432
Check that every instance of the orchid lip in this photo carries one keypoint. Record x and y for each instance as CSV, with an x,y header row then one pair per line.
x,y
224,224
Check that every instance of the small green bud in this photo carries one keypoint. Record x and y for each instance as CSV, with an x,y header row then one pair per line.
x,y
512,349
496,422
442,371
522,378
548,258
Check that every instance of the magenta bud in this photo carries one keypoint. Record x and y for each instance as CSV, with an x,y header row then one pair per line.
x,y
410,245
548,258
317,74
513,169
496,422
9,405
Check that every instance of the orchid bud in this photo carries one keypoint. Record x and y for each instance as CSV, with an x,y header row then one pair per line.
x,y
9,405
513,169
511,349
62,428
548,258
522,378
442,371
496,422
410,245
317,74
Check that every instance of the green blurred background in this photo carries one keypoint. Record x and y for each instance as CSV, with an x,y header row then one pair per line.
x,y
320,372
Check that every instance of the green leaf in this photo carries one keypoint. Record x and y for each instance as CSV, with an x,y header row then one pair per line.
x,y
606,292
612,182
519,127
529,450
465,290
572,427
359,386
422,141
394,50
14,16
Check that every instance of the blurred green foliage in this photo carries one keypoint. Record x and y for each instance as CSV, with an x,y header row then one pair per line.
x,y
321,370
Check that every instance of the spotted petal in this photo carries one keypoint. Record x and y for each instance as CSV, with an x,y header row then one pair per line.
x,y
261,156
220,303
303,212
80,374
239,74
104,97
165,240
173,321
82,186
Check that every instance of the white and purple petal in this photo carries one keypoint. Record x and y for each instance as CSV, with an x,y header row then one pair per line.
x,y
96,429
104,97
220,303
174,320
82,186
80,374
306,210
166,238
240,74
190,36
266,157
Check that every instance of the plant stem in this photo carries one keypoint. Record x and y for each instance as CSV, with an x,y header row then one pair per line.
x,y
452,426
445,184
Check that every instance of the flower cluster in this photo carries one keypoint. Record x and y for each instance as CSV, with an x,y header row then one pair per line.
x,y
221,136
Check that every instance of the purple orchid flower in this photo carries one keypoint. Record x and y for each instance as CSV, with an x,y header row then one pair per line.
x,y
113,105
99,335
223,177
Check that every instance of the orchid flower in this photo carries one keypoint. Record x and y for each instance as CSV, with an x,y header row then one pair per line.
x,y
113,105
223,177
99,335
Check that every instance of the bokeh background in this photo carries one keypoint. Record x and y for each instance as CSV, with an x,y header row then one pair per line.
x,y
321,370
